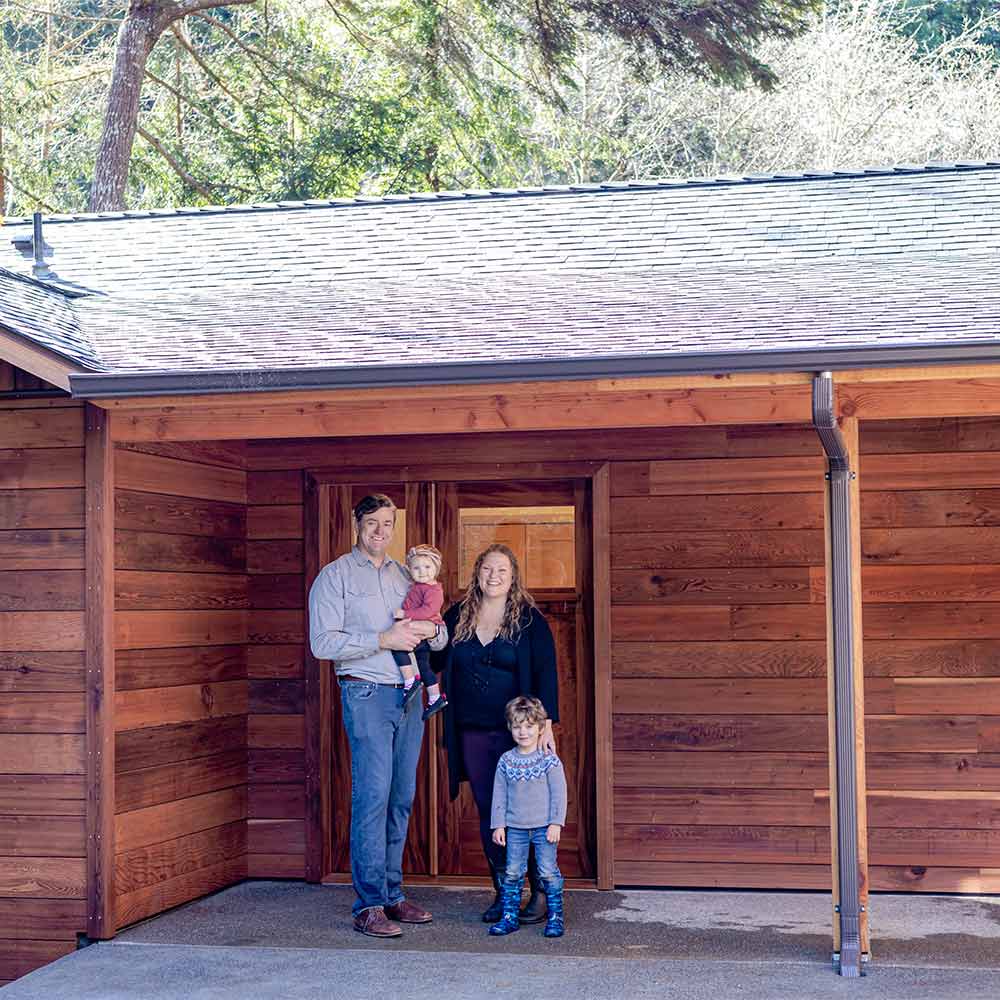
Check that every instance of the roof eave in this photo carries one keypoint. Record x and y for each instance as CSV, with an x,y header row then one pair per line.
x,y
88,385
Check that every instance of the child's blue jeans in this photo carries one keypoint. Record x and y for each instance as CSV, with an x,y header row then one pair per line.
x,y
518,842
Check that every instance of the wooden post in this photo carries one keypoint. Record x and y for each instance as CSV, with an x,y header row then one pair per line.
x,y
316,550
100,684
849,431
603,702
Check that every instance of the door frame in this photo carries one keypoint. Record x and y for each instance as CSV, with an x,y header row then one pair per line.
x,y
327,493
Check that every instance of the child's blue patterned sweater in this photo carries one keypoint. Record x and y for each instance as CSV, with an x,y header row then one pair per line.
x,y
529,791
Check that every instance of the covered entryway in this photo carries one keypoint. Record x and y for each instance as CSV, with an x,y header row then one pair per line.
x,y
459,509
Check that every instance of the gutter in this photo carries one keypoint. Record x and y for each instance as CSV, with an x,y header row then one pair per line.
x,y
839,477
88,385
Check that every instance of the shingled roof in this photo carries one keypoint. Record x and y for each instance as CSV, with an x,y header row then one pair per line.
x,y
846,269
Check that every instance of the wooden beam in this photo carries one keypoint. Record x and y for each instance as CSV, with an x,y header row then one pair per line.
x,y
977,396
603,684
531,406
100,674
47,365
316,526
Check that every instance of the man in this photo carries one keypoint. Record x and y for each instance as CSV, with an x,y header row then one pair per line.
x,y
351,621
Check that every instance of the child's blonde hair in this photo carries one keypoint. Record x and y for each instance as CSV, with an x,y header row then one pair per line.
x,y
525,709
428,552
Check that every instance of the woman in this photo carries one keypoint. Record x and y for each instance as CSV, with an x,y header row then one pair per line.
x,y
500,647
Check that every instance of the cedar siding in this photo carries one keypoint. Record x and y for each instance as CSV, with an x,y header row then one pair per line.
x,y
181,594
43,885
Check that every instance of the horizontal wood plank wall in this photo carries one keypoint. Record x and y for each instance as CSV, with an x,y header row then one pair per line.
x,y
276,790
43,869
719,665
930,508
181,621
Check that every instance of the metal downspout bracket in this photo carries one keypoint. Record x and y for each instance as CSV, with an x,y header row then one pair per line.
x,y
839,476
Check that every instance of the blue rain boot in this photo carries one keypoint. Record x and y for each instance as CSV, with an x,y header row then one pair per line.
x,y
511,897
554,926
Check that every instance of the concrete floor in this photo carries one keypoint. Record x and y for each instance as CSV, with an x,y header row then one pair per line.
x,y
290,941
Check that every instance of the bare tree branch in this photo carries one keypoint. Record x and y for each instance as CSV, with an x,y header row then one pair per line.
x,y
175,165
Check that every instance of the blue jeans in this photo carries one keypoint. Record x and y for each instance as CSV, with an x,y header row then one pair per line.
x,y
518,843
385,747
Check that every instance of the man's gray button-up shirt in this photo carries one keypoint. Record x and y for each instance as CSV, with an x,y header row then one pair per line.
x,y
350,603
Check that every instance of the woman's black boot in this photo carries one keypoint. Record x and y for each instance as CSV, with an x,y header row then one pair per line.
x,y
495,910
533,912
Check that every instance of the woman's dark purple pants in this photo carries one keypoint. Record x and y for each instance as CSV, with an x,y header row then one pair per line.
x,y
481,752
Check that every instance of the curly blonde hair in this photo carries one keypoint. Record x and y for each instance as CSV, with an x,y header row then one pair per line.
x,y
515,611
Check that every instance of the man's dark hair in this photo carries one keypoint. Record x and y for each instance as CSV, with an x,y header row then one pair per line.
x,y
372,503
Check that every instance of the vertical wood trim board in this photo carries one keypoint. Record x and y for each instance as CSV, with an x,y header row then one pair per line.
x,y
603,693
100,673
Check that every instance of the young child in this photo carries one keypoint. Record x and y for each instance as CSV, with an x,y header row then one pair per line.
x,y
529,807
422,604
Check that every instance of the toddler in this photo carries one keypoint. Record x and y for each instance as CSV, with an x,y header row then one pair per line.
x,y
422,604
529,807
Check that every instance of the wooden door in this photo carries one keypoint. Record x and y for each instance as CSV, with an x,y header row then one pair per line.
x,y
443,837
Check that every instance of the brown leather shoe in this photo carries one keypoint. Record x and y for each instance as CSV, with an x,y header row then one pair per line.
x,y
407,913
374,923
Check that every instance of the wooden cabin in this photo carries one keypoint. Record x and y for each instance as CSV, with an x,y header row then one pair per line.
x,y
621,381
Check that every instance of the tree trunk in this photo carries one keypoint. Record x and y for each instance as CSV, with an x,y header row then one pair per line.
x,y
142,26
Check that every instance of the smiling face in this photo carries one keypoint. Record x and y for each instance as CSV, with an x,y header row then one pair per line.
x,y
375,532
496,575
423,569
526,734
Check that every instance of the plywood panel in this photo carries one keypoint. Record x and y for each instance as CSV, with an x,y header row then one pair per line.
x,y
935,470
933,771
41,509
932,621
713,732
961,657
930,508
932,546
139,709
782,621
156,474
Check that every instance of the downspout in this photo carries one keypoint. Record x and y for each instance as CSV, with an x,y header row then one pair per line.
x,y
839,476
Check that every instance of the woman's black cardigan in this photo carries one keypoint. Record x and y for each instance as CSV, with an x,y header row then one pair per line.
x,y
536,676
